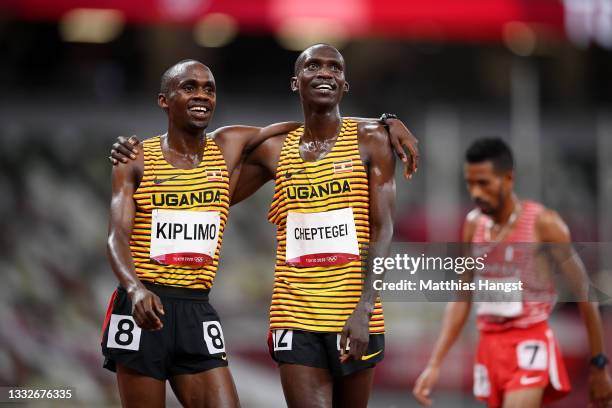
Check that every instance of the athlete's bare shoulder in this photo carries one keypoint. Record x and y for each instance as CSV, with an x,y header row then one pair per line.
x,y
470,223
373,140
130,172
550,227
371,130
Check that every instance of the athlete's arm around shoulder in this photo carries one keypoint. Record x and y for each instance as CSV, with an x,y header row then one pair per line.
x,y
146,306
455,316
241,140
246,138
401,139
258,167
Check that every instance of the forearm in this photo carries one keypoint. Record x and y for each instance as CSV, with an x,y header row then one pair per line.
x,y
592,322
575,274
122,211
455,316
122,264
379,245
275,129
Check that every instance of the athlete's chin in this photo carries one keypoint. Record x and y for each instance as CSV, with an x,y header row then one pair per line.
x,y
325,102
199,124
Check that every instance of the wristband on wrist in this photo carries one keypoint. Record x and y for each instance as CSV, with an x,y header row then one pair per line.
x,y
600,361
386,116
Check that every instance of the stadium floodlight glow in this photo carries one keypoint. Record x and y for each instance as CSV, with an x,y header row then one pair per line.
x,y
295,34
96,26
520,38
215,30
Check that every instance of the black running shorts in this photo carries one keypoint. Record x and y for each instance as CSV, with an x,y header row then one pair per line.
x,y
191,340
321,350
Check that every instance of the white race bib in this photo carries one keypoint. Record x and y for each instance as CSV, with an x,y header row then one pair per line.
x,y
185,238
322,238
498,302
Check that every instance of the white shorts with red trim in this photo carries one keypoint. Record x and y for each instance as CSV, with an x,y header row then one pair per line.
x,y
516,359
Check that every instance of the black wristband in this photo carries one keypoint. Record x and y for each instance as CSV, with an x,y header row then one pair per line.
x,y
600,361
386,116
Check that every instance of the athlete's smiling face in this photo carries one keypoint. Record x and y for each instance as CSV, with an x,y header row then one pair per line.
x,y
319,76
488,187
191,97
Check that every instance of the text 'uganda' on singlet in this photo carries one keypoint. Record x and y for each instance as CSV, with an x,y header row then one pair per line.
x,y
180,217
321,210
510,260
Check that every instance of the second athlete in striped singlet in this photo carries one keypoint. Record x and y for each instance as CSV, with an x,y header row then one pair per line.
x,y
333,207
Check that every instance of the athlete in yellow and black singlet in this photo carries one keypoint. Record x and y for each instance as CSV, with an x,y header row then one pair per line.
x,y
320,298
366,170
169,204
321,210
172,207
169,207
163,186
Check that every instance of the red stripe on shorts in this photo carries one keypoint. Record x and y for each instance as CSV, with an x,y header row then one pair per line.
x,y
109,312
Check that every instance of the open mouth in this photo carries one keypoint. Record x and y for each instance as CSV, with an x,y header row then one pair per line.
x,y
324,88
199,109
199,112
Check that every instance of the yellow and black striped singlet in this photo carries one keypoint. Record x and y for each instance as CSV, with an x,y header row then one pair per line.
x,y
320,299
163,186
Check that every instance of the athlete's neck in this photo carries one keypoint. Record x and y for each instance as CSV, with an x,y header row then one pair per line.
x,y
320,126
185,146
508,208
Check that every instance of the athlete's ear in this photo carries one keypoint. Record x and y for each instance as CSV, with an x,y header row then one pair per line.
x,y
294,85
162,102
346,87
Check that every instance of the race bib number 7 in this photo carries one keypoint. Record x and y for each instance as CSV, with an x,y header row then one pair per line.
x,y
184,238
321,239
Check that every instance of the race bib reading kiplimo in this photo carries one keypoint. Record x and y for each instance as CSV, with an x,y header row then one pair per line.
x,y
185,238
321,239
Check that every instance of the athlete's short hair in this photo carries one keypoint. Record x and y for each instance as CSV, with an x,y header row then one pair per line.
x,y
171,72
491,149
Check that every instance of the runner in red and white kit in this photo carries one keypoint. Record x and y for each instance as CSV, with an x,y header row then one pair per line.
x,y
518,361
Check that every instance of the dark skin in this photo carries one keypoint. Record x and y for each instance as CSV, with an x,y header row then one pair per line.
x,y
322,123
189,103
492,192
253,176
306,386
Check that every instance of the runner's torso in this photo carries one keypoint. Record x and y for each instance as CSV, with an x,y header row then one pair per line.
x,y
321,210
514,258
180,218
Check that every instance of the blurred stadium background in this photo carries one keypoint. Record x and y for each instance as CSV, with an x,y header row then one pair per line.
x,y
76,74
